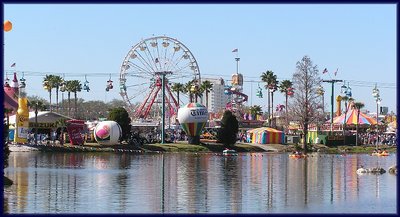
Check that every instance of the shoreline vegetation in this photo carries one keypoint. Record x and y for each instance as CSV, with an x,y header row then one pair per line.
x,y
208,147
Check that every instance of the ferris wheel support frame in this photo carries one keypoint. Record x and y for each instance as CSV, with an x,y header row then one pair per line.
x,y
139,110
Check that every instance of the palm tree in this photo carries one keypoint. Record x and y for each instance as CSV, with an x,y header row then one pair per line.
x,y
345,99
271,80
38,105
56,82
178,88
187,89
48,85
76,86
255,110
286,87
69,88
358,106
206,86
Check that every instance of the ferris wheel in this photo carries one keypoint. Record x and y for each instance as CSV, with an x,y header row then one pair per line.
x,y
141,76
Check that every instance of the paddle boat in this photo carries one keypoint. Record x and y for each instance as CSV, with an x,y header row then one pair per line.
x,y
380,153
297,155
228,152
374,170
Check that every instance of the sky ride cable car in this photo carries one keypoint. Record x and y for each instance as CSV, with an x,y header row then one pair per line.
x,y
7,81
22,82
259,92
290,91
109,84
86,85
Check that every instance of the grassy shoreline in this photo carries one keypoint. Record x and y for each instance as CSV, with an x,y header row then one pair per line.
x,y
208,147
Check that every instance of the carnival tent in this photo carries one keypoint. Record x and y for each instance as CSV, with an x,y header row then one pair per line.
x,y
45,119
351,118
265,135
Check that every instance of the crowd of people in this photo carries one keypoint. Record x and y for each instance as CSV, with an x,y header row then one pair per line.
x,y
372,138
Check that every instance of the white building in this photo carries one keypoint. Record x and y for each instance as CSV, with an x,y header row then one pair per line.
x,y
217,99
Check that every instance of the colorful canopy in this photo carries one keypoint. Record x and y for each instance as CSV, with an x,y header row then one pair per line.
x,y
351,118
265,135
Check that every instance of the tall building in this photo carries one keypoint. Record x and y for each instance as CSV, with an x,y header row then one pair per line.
x,y
217,99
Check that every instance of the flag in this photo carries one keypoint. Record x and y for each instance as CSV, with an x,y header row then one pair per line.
x,y
325,71
336,71
235,50
13,65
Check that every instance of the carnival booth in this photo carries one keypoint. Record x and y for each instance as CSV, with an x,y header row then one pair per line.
x,y
265,135
351,118
45,121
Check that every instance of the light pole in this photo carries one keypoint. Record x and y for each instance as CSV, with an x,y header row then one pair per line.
x,y
163,74
346,91
36,123
273,87
333,81
321,92
375,94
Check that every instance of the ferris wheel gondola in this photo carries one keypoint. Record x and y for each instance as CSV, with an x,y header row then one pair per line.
x,y
142,70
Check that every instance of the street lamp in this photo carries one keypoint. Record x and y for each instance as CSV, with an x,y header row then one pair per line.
x,y
375,94
163,81
332,81
321,92
272,88
36,123
346,91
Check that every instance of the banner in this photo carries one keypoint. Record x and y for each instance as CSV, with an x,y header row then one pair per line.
x,y
76,129
22,121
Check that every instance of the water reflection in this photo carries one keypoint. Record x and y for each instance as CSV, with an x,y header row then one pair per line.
x,y
202,183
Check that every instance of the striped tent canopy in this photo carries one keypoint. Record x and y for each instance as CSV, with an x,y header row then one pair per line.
x,y
351,118
265,135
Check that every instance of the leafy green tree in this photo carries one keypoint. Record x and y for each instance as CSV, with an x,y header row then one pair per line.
x,y
121,116
305,104
227,134
116,103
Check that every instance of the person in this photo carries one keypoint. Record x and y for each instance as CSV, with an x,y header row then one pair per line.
x,y
61,138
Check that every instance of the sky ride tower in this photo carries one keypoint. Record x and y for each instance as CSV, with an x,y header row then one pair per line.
x,y
235,91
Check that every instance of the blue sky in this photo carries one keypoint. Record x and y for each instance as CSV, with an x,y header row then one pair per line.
x,y
84,39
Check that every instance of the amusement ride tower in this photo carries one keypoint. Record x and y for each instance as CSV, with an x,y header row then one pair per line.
x,y
237,97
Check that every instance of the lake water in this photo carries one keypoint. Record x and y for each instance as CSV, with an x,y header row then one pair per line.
x,y
197,183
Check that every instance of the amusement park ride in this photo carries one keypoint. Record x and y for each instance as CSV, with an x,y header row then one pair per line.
x,y
234,91
145,66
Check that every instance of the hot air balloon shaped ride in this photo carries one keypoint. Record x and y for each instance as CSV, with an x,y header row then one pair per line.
x,y
107,133
193,117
